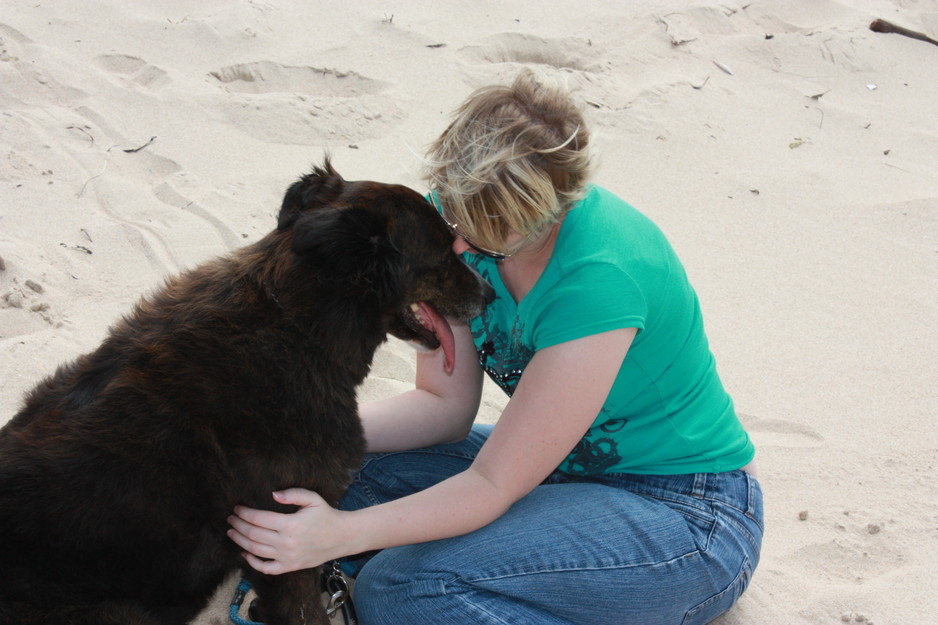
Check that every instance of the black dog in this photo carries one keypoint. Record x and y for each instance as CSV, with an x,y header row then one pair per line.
x,y
234,380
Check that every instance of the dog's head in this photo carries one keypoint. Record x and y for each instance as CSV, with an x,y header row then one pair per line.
x,y
386,245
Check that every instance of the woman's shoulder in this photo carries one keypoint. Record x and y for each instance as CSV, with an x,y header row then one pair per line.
x,y
603,227
602,206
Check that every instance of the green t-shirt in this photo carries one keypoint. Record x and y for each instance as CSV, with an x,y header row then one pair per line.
x,y
611,268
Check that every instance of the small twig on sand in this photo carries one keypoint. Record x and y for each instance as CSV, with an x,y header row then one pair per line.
x,y
882,26
82,130
80,248
132,150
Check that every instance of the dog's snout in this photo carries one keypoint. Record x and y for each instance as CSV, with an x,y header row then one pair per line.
x,y
488,291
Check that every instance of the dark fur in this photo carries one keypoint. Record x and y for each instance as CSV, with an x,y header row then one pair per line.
x,y
234,380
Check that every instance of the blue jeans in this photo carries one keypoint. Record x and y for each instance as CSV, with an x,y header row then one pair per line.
x,y
611,549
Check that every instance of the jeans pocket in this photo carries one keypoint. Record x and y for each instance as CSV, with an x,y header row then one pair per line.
x,y
718,604
699,517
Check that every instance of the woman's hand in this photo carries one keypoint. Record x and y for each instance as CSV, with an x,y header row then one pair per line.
x,y
276,543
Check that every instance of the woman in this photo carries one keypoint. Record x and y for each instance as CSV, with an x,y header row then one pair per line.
x,y
617,485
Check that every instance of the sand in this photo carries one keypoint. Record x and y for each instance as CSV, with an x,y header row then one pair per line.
x,y
789,152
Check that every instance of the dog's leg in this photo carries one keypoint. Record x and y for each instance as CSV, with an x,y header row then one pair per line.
x,y
289,599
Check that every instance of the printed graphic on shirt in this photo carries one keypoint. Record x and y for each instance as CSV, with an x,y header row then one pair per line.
x,y
505,373
595,453
502,355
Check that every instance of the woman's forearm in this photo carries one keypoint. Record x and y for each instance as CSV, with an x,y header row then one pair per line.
x,y
413,419
440,409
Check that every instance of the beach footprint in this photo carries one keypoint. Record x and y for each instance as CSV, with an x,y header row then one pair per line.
x,y
695,23
30,73
568,53
304,105
11,43
132,71
781,433
851,557
583,64
269,77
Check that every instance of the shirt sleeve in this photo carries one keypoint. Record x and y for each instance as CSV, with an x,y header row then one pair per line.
x,y
595,298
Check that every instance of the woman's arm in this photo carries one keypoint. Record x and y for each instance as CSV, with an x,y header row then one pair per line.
x,y
441,407
559,395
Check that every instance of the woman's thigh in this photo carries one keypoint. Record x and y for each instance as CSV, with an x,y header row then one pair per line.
x,y
388,476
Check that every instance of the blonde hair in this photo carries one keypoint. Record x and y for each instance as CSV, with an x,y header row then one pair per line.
x,y
514,159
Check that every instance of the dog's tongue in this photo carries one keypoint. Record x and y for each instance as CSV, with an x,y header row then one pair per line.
x,y
437,324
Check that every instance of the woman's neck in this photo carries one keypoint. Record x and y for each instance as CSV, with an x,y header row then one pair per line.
x,y
521,272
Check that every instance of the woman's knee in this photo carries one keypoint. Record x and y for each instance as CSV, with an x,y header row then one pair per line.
x,y
392,587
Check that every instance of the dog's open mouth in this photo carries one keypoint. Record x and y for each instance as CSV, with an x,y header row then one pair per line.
x,y
432,330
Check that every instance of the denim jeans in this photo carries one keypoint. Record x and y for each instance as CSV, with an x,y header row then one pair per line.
x,y
611,549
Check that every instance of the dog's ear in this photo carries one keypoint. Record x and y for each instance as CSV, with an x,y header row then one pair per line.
x,y
318,188
351,249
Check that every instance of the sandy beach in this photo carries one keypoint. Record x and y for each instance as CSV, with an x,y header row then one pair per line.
x,y
789,152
